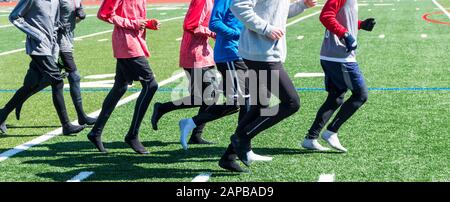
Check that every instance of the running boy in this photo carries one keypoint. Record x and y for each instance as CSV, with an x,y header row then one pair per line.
x,y
39,20
338,60
196,58
233,70
263,46
130,49
71,13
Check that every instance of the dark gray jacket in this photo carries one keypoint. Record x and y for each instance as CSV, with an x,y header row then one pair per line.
x,y
67,19
39,20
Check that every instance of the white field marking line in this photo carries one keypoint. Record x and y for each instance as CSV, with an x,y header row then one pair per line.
x,y
100,76
300,37
442,8
11,52
363,4
179,39
102,40
381,36
204,177
326,178
23,147
383,4
308,75
86,36
5,26
369,9
423,35
302,18
80,177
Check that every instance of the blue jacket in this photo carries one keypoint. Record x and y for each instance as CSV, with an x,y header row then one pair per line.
x,y
228,29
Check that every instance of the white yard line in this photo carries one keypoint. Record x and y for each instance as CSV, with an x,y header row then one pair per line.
x,y
85,36
102,40
383,4
178,39
381,36
302,18
80,177
326,178
204,177
442,8
100,76
6,26
23,147
13,51
423,36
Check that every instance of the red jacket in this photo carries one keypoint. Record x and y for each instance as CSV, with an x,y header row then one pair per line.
x,y
195,51
328,17
127,39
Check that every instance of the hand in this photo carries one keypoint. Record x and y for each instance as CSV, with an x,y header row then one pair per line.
x,y
350,42
142,24
368,24
310,3
153,24
276,34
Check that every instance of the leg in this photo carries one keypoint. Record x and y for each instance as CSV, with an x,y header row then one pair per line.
x,y
356,100
109,104
331,104
31,82
142,103
160,109
354,81
289,104
75,90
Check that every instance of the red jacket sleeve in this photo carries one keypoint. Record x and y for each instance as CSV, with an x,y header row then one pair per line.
x,y
107,13
193,19
328,17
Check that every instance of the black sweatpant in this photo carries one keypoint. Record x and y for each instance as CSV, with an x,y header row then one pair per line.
x,y
43,72
202,95
271,79
67,63
127,71
235,88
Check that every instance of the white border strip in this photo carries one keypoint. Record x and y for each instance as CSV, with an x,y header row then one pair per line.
x,y
442,8
326,178
23,147
204,177
302,18
80,177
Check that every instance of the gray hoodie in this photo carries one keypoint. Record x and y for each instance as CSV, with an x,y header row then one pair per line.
x,y
259,18
65,40
38,19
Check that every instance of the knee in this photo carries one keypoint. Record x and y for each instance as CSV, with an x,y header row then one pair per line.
x,y
152,85
74,76
294,105
361,97
120,88
339,100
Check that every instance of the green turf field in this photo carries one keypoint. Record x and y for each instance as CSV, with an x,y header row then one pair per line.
x,y
401,134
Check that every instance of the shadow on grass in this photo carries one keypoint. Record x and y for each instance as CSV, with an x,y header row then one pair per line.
x,y
33,127
125,165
